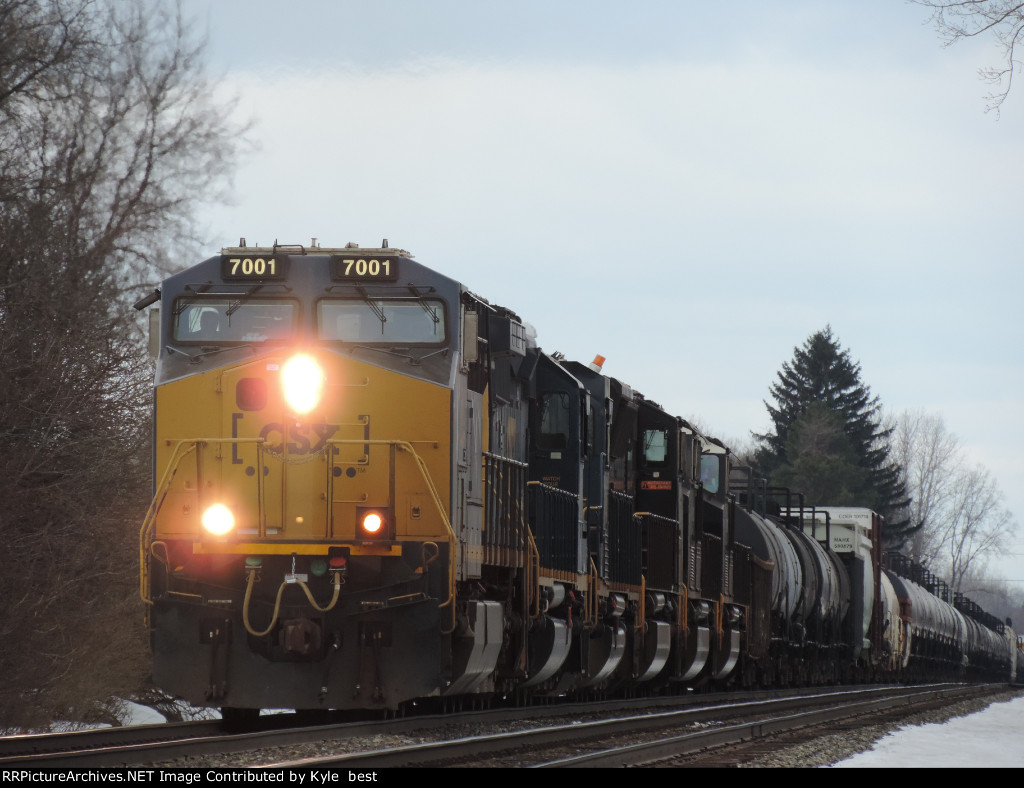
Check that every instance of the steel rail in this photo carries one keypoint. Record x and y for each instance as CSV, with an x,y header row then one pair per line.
x,y
689,743
577,732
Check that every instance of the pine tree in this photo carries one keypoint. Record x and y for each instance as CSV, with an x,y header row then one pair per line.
x,y
822,463
803,449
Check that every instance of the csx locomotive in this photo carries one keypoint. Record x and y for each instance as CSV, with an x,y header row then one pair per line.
x,y
372,486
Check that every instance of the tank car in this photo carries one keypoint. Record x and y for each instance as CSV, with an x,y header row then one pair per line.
x,y
950,636
877,633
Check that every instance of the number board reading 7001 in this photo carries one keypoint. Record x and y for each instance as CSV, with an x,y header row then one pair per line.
x,y
374,268
254,267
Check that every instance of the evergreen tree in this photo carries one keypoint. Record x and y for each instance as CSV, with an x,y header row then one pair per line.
x,y
822,463
806,448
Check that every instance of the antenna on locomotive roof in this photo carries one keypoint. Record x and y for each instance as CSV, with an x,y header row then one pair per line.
x,y
384,244
597,363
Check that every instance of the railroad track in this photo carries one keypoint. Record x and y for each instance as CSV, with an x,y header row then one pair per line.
x,y
647,738
735,744
145,744
577,734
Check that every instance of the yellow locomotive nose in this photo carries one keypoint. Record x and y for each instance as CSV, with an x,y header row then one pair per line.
x,y
303,382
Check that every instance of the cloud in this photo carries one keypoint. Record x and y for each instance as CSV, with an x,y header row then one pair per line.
x,y
692,221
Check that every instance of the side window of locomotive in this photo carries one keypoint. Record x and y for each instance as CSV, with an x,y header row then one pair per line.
x,y
213,321
555,421
381,320
655,447
709,472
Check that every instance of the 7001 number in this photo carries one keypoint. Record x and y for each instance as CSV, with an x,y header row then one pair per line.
x,y
250,266
367,267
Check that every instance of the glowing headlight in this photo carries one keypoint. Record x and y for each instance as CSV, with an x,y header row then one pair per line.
x,y
372,523
303,383
376,523
218,519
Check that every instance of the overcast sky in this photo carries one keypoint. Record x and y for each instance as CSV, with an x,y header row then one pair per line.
x,y
690,189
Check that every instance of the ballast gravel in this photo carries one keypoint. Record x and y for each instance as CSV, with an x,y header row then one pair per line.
x,y
823,751
832,748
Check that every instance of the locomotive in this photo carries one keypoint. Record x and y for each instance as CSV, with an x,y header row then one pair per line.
x,y
372,487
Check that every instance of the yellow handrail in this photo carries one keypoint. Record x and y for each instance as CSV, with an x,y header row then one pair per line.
x,y
533,573
177,455
406,446
145,533
592,580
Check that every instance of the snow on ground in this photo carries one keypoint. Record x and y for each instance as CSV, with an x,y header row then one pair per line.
x,y
993,738
142,715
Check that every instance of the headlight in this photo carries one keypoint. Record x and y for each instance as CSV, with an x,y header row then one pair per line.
x,y
372,523
375,523
303,382
218,519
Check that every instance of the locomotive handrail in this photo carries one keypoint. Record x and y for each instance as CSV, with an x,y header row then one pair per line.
x,y
148,520
592,581
192,444
642,618
547,499
145,532
425,473
533,573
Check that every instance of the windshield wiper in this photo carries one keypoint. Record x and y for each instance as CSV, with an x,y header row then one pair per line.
x,y
197,291
376,309
242,299
415,360
422,301
206,351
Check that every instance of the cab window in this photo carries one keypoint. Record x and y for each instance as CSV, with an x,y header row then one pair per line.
x,y
392,321
219,320
709,472
655,447
555,421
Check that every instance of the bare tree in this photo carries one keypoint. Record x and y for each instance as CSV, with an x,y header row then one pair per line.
x,y
998,597
1004,19
109,138
977,524
959,508
929,455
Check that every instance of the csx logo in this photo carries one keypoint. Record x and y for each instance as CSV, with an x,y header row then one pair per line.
x,y
301,438
295,437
